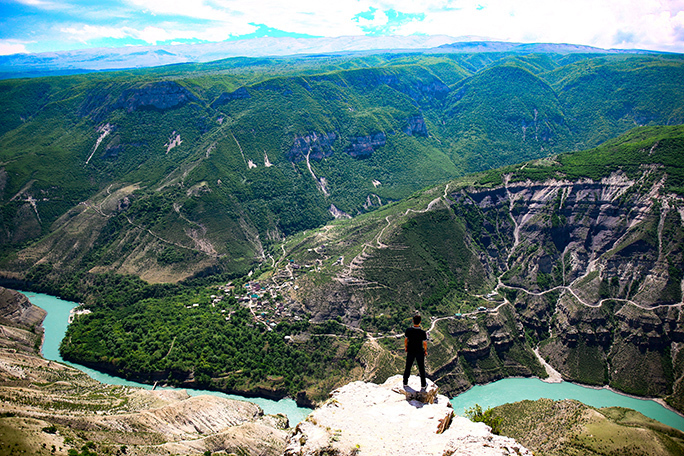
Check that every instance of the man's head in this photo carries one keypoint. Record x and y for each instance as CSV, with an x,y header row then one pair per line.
x,y
416,320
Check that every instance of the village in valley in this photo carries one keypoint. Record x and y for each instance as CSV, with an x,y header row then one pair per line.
x,y
265,302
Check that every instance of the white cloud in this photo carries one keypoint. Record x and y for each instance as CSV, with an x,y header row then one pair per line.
x,y
603,23
379,19
37,3
158,34
8,47
648,24
312,17
87,33
154,34
198,9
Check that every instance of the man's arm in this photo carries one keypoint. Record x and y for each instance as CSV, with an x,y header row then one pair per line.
x,y
425,346
405,344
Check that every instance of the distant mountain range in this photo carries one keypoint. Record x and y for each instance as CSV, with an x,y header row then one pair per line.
x,y
84,60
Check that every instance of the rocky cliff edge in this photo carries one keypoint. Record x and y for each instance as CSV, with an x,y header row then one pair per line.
x,y
368,419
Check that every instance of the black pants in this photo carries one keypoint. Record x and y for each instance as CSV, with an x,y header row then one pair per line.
x,y
420,360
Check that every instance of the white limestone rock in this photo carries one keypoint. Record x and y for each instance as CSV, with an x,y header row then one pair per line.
x,y
413,392
368,419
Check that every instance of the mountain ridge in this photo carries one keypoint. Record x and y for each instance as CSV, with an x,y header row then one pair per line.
x,y
85,60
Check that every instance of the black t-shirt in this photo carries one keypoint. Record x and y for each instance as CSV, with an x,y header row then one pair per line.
x,y
415,337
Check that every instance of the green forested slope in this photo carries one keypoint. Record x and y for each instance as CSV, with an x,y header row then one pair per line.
x,y
189,168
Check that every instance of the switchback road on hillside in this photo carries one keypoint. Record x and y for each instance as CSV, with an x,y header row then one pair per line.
x,y
376,242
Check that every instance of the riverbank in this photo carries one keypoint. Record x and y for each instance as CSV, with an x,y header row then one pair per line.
x,y
553,375
556,377
160,379
59,310
55,325
518,389
51,408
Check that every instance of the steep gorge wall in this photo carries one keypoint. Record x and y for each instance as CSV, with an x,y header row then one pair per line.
x,y
588,271
606,257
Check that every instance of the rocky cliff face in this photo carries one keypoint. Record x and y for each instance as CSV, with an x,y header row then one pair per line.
x,y
318,146
226,97
161,95
558,233
415,125
314,145
19,326
204,423
18,310
370,419
608,255
591,268
363,146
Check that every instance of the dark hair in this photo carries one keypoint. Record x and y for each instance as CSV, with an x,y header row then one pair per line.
x,y
416,319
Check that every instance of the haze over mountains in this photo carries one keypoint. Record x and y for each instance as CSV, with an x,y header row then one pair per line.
x,y
22,65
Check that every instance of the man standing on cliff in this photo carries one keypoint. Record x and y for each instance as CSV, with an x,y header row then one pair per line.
x,y
415,345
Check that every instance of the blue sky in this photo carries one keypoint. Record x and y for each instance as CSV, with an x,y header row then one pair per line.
x,y
58,25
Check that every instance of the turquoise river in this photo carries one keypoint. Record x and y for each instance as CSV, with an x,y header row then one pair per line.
x,y
490,395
